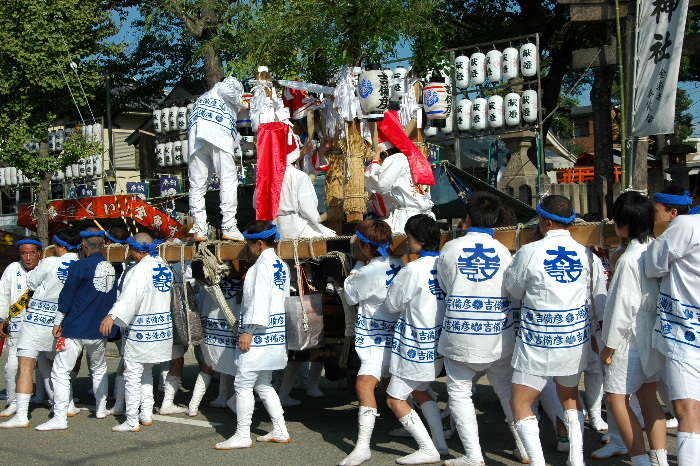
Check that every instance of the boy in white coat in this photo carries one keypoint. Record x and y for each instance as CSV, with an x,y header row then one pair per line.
x,y
479,330
143,312
262,340
416,295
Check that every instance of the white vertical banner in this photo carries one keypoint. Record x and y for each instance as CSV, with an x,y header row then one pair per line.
x,y
660,31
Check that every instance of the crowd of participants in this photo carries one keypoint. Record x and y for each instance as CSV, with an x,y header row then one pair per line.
x,y
533,322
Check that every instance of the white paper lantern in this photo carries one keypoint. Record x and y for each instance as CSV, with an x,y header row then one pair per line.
x,y
243,118
88,132
496,111
83,130
510,63
172,118
69,172
462,71
494,66
164,121
430,131
60,139
160,149
97,132
52,141
449,125
185,151
373,89
528,60
399,87
75,168
157,124
177,152
529,105
54,176
464,115
181,118
437,101
60,175
190,107
67,134
97,164
477,68
2,177
20,178
168,154
512,109
480,113
89,166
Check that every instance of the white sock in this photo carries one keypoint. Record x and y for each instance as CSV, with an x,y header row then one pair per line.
x,y
573,419
200,388
362,452
658,457
426,449
172,384
432,416
688,448
529,432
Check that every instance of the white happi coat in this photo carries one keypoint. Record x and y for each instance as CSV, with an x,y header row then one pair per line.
x,y
552,277
47,281
143,311
394,177
375,324
263,314
675,258
213,118
481,316
416,295
220,339
630,311
298,216
13,284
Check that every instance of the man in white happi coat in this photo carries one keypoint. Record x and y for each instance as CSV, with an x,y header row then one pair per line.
x,y
220,338
675,258
366,287
479,330
14,299
143,312
213,144
87,295
416,296
36,335
553,279
262,340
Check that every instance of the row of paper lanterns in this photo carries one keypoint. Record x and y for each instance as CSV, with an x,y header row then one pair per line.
x,y
171,119
12,176
58,137
84,168
496,66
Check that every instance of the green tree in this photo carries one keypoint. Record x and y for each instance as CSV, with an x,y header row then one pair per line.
x,y
47,45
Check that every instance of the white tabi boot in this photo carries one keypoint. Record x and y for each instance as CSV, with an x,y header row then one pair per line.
x,y
615,445
225,384
519,452
688,448
362,452
658,457
278,434
172,384
10,410
641,460
20,419
431,412
427,453
200,388
573,419
469,435
290,375
593,385
119,407
314,377
529,433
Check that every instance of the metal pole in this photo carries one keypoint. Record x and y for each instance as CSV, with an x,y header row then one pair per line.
x,y
623,119
108,104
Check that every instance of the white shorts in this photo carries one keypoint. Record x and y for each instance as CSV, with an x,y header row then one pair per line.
x,y
178,351
683,380
401,389
34,354
625,375
377,371
539,381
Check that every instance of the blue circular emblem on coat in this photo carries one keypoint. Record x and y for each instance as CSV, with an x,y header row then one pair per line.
x,y
689,335
411,353
378,341
258,340
219,118
139,336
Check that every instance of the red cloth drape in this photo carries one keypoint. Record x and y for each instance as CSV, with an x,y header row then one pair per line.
x,y
390,129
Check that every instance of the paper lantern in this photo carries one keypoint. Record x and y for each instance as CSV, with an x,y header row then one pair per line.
x,y
2,177
160,149
168,154
67,134
480,113
177,152
60,139
157,124
185,152
172,118
88,132
528,60
97,164
496,111
243,118
60,175
69,172
89,166
164,121
464,115
190,107
181,118
11,176
75,168
430,131
512,109
449,125
437,101
373,89
494,66
52,141
462,71
529,105
399,87
20,178
510,63
477,68
97,132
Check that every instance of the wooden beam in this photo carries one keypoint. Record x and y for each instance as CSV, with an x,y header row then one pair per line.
x,y
591,13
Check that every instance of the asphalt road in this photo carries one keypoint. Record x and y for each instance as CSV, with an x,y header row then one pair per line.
x,y
323,432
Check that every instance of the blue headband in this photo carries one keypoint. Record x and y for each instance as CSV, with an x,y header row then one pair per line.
x,y
683,199
113,239
152,249
30,241
263,234
424,253
556,218
382,248
60,242
90,234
